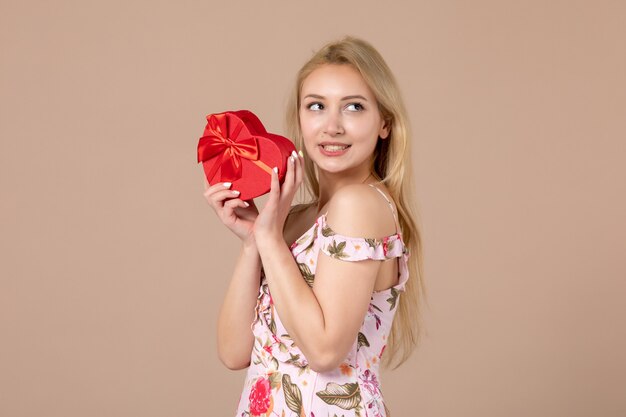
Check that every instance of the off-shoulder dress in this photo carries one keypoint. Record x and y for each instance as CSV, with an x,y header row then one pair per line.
x,y
279,381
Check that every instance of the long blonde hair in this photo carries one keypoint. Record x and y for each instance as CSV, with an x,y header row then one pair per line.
x,y
391,164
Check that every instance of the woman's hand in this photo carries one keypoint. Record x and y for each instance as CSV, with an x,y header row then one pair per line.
x,y
236,214
271,220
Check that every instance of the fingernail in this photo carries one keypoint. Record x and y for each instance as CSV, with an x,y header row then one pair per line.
x,y
275,169
236,192
227,184
246,204
301,154
295,155
291,159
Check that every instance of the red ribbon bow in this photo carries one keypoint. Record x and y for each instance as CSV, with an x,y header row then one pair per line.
x,y
227,135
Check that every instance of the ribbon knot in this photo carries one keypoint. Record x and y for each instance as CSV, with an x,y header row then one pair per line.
x,y
228,138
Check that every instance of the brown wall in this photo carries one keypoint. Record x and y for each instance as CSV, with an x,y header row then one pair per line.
x,y
113,266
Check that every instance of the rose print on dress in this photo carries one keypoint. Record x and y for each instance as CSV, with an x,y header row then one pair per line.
x,y
260,397
370,382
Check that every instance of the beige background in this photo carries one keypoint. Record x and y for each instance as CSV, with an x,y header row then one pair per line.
x,y
113,266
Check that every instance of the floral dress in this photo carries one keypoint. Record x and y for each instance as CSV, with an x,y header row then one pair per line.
x,y
279,381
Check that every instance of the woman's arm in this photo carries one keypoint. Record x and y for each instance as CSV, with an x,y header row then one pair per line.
x,y
235,338
234,335
323,321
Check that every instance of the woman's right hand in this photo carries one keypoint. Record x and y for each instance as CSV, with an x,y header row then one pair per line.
x,y
236,214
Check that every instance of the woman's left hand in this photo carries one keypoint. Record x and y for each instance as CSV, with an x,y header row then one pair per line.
x,y
271,219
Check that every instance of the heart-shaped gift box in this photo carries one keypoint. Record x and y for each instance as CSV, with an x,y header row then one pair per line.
x,y
236,148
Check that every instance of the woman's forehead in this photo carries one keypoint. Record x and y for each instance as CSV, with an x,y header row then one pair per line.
x,y
335,81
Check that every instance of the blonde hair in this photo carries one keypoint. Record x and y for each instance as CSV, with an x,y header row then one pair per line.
x,y
391,164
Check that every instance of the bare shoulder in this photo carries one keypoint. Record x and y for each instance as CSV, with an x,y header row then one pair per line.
x,y
360,210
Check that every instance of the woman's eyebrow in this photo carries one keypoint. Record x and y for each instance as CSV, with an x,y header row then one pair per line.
x,y
353,97
344,98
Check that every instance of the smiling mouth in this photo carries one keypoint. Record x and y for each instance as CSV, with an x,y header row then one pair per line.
x,y
334,148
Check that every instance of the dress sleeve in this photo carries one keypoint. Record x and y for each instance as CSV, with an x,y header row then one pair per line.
x,y
348,248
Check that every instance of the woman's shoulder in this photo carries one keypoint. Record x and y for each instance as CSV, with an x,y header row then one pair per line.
x,y
361,210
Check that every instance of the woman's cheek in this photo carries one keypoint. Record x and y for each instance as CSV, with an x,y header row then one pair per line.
x,y
309,146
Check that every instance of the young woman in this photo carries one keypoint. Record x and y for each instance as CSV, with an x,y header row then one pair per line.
x,y
321,290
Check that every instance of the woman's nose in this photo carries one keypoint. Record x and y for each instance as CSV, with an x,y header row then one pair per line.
x,y
334,125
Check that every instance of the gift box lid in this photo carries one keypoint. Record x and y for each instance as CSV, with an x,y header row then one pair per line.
x,y
236,148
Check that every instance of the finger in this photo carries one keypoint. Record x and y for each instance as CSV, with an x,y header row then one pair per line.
x,y
251,204
274,188
289,176
217,187
291,184
217,197
220,194
231,205
294,166
229,214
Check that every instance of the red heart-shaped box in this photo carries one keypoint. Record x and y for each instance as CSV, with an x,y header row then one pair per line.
x,y
236,148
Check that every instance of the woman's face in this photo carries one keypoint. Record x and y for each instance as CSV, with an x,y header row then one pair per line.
x,y
340,121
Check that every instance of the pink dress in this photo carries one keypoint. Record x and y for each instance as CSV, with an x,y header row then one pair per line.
x,y
279,381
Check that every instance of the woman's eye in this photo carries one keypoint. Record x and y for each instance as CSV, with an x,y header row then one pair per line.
x,y
354,107
315,106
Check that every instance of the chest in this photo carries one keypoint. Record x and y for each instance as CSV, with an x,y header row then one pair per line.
x,y
298,223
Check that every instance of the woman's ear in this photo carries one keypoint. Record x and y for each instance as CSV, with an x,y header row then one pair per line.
x,y
383,133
